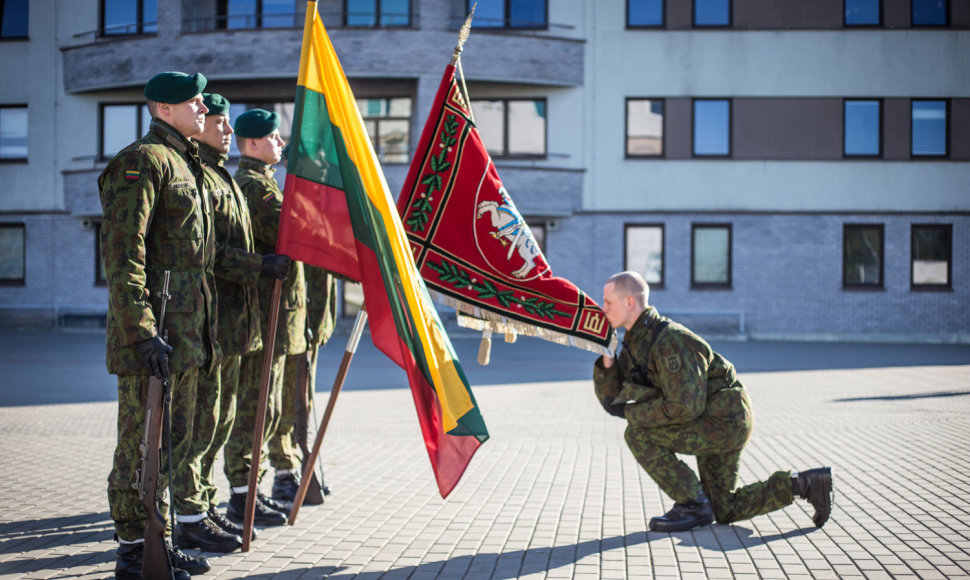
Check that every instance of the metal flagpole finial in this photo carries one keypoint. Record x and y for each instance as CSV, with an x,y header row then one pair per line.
x,y
463,35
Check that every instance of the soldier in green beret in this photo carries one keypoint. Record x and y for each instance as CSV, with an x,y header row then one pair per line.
x,y
261,147
679,396
237,268
157,218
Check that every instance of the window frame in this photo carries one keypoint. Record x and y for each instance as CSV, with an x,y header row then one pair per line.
x,y
663,18
505,154
730,17
377,17
22,281
880,129
946,130
222,17
854,286
913,286
375,139
626,130
663,250
507,23
139,129
694,284
139,24
730,129
847,24
26,157
946,16
26,34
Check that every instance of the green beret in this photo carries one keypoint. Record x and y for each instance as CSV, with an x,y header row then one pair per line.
x,y
216,103
256,123
174,87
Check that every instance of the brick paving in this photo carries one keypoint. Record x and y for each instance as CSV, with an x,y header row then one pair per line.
x,y
553,494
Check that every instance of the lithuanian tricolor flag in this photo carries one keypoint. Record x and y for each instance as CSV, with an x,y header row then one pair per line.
x,y
338,214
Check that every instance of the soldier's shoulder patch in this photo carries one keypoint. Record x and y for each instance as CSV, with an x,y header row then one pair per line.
x,y
268,196
672,362
132,174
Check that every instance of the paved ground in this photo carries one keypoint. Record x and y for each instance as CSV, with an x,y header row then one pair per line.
x,y
553,494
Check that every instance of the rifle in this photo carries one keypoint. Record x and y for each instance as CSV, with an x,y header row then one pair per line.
x,y
302,404
155,563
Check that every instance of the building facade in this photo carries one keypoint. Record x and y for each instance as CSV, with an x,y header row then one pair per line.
x,y
776,170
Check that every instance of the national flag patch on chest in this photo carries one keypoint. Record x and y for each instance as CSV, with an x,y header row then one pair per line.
x,y
132,174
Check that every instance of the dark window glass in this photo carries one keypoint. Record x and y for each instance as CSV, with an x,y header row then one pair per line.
x,y
12,254
378,13
13,18
512,127
236,14
278,14
862,13
712,12
929,128
711,255
644,13
644,127
862,256
644,251
712,127
862,122
388,123
929,12
128,17
241,14
121,125
932,256
509,13
13,133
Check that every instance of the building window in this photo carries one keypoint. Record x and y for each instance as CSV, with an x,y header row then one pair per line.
x,y
863,12
235,14
13,133
710,256
528,14
712,127
861,131
644,127
378,13
388,122
99,277
932,256
644,13
644,252
122,125
13,18
129,17
929,128
930,12
712,13
12,254
862,255
512,127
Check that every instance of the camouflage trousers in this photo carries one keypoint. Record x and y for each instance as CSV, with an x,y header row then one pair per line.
x,y
718,462
124,502
239,447
284,451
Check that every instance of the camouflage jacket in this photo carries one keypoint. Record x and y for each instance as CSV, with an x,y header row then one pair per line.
x,y
265,200
237,265
158,217
321,289
670,375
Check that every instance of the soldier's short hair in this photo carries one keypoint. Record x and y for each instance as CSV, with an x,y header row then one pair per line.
x,y
630,283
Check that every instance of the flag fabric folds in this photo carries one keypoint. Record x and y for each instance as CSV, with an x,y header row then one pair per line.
x,y
472,246
339,215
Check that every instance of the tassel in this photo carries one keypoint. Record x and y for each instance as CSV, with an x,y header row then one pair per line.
x,y
510,336
485,348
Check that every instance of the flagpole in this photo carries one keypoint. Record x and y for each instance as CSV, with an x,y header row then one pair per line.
x,y
337,385
269,344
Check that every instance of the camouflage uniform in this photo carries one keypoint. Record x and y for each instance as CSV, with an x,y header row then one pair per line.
x,y
284,452
237,271
687,399
157,217
265,201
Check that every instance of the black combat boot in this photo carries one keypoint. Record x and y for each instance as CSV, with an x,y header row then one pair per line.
x,y
207,536
815,485
231,527
182,561
273,504
685,516
128,564
285,486
265,516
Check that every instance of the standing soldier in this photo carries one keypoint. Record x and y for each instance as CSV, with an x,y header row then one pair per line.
x,y
157,218
237,269
284,452
261,147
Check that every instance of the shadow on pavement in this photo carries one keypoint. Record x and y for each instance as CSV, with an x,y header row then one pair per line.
x,y
905,397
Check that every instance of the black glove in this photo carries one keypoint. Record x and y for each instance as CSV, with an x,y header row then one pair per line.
x,y
275,266
615,409
154,352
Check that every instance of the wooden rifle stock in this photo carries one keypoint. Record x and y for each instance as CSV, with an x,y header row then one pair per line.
x,y
155,563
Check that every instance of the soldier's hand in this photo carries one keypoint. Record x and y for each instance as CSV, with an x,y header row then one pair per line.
x,y
275,266
615,409
154,352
